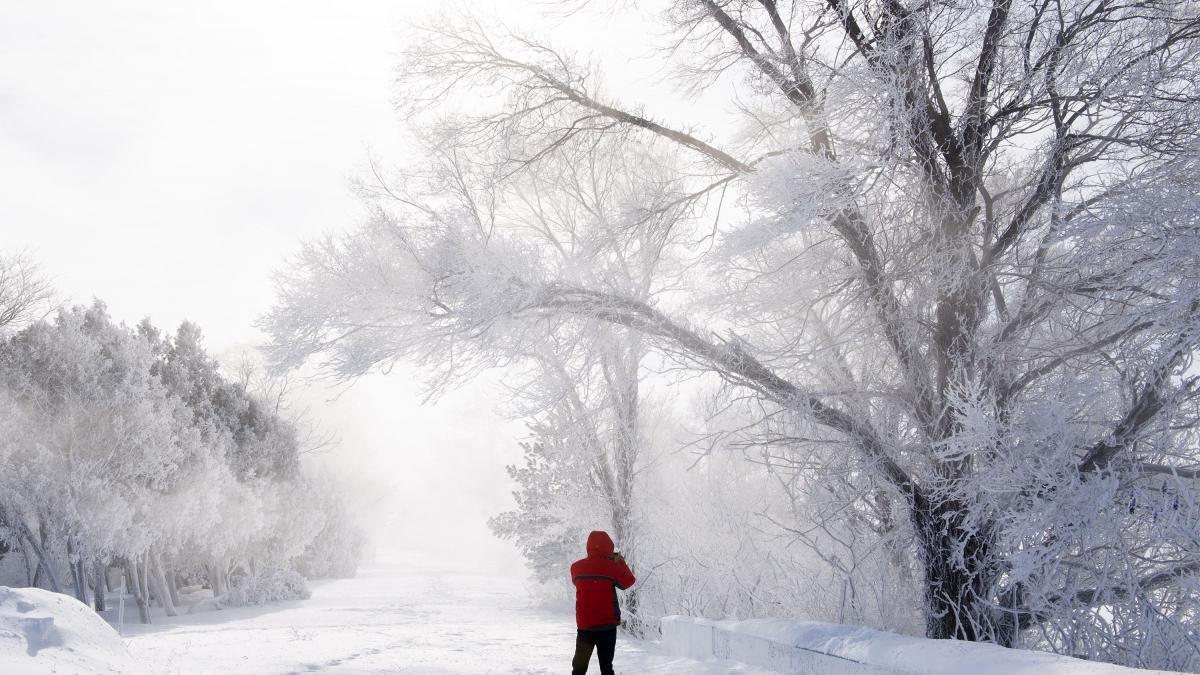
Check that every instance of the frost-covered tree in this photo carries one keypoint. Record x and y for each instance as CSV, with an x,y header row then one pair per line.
x,y
120,448
99,438
262,442
265,516
603,213
337,547
556,505
586,210
961,284
25,294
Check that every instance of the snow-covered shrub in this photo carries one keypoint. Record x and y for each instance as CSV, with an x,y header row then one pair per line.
x,y
268,584
336,549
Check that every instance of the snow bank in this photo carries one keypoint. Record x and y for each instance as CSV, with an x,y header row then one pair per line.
x,y
45,632
835,649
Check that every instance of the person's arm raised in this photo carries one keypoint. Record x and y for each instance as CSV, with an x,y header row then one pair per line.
x,y
623,576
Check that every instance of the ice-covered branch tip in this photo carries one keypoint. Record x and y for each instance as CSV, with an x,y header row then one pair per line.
x,y
1093,597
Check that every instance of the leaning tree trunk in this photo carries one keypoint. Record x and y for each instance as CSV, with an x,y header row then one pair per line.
x,y
172,585
134,582
45,564
158,583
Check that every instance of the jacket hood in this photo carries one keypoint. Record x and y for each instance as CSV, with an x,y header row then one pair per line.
x,y
599,544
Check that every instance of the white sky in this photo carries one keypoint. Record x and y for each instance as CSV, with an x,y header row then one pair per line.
x,y
165,157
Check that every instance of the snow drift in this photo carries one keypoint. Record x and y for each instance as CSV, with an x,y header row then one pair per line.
x,y
839,649
46,632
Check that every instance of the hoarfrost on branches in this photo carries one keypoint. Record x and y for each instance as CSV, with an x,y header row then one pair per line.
x,y
948,266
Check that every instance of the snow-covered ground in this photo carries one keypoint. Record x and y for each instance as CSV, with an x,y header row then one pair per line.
x,y
403,617
392,618
46,632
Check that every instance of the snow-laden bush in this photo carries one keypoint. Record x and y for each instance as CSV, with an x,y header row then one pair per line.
x,y
269,584
337,548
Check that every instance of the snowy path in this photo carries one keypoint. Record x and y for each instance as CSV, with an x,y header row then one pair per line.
x,y
391,619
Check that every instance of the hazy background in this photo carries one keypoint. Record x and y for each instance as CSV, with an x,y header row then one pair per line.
x,y
166,157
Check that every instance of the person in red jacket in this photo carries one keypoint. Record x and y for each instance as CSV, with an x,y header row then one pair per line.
x,y
597,612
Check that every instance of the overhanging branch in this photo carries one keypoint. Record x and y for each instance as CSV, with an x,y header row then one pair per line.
x,y
732,362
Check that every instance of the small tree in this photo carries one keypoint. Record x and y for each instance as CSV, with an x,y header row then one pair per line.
x,y
25,294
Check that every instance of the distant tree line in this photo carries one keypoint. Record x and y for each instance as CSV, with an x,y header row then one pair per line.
x,y
125,451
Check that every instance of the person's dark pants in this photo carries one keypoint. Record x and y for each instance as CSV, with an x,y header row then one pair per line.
x,y
603,641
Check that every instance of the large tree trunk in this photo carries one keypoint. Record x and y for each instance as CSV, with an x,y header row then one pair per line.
x,y
959,577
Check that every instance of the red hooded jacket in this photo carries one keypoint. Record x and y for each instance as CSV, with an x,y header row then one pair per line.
x,y
596,579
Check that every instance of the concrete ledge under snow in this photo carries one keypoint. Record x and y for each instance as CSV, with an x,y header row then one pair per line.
x,y
802,647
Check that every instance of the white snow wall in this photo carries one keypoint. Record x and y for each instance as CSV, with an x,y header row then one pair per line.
x,y
804,647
